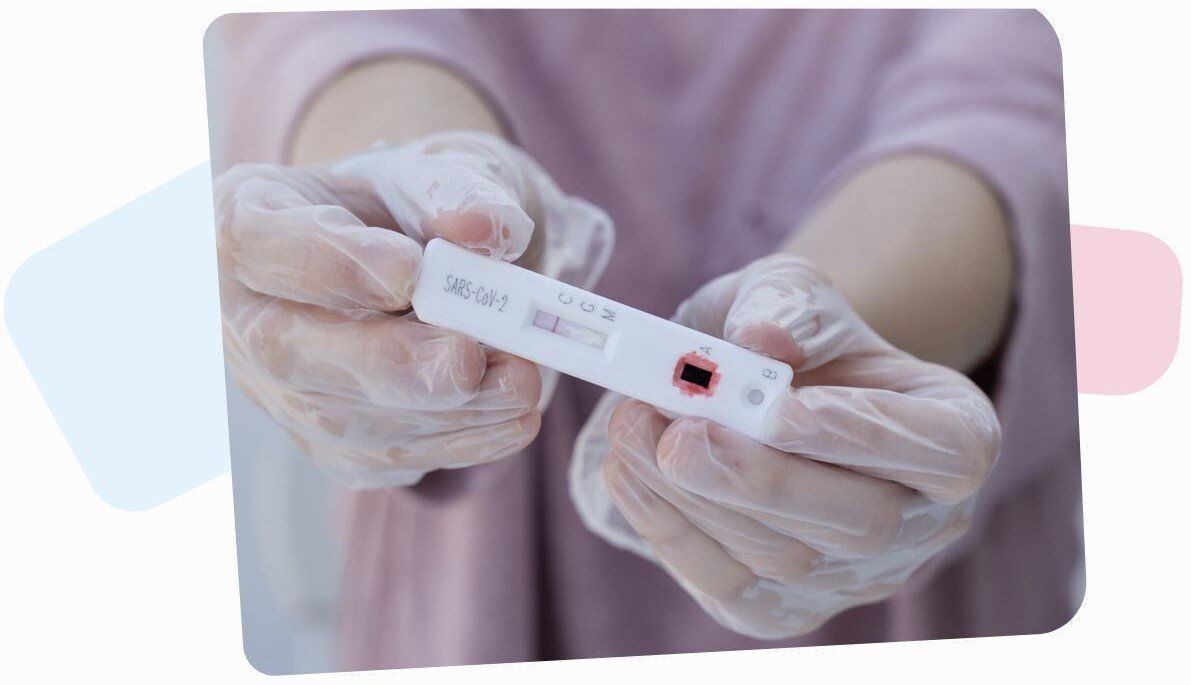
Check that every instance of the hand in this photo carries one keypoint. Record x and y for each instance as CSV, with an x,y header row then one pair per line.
x,y
317,264
868,468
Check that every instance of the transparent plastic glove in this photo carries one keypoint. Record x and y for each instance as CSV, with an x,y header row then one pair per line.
x,y
318,263
868,467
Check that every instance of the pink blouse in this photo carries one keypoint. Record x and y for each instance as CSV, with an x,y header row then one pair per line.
x,y
707,136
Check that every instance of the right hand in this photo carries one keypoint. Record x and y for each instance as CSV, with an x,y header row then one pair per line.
x,y
317,262
868,466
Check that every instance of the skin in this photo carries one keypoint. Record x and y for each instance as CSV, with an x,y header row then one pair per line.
x,y
950,308
387,100
372,103
920,249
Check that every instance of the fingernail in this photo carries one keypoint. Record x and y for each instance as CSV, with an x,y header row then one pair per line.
x,y
626,490
770,340
682,435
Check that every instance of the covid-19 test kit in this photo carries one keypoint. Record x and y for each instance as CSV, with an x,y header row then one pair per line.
x,y
612,345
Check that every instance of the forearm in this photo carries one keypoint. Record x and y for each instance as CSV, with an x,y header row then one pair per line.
x,y
390,100
918,245
387,100
921,249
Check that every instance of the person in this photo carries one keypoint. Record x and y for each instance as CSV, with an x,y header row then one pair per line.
x,y
876,197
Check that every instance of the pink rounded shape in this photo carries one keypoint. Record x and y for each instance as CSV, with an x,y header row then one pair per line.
x,y
1127,288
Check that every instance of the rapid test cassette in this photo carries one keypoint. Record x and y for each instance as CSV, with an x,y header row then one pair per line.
x,y
612,345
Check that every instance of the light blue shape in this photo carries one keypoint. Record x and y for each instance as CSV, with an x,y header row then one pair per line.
x,y
119,325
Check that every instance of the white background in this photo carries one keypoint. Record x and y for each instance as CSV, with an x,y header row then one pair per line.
x,y
103,101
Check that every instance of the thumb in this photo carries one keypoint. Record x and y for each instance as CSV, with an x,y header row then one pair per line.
x,y
787,309
463,188
770,340
501,231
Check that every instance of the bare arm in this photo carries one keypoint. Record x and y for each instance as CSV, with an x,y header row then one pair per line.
x,y
311,270
920,247
387,100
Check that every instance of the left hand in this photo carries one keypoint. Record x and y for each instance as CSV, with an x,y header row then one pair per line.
x,y
868,469
317,269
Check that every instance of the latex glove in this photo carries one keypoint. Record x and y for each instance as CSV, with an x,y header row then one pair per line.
x,y
868,469
315,262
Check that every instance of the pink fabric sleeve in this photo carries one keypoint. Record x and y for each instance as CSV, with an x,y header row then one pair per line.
x,y
984,89
264,69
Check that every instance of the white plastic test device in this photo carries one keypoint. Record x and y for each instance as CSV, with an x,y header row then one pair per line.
x,y
612,345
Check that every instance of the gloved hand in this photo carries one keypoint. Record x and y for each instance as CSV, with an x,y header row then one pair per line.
x,y
317,263
867,470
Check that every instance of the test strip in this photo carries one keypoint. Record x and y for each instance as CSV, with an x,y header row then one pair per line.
x,y
570,330
612,345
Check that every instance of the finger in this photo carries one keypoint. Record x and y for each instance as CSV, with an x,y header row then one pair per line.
x,y
509,390
468,446
725,587
456,449
941,444
509,382
707,311
357,471
694,558
394,362
785,294
471,189
698,561
500,232
831,509
273,238
771,341
635,430
708,307
381,438
889,369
